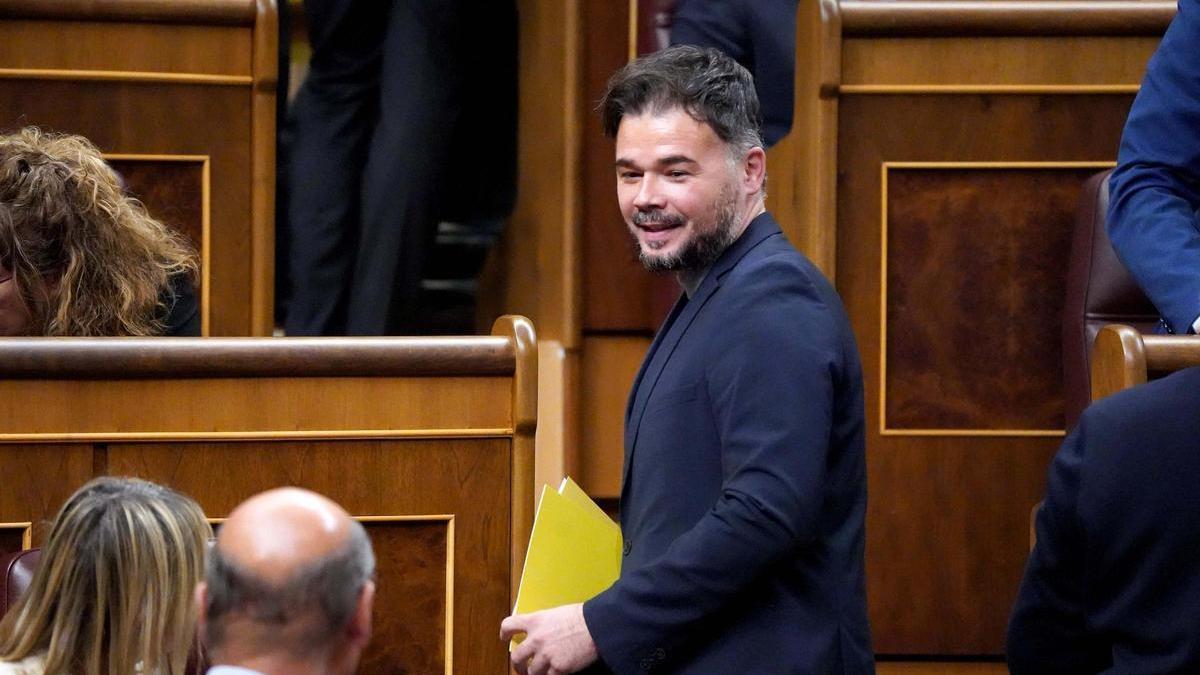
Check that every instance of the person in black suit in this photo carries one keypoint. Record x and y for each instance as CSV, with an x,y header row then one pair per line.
x,y
386,138
1111,585
760,35
744,494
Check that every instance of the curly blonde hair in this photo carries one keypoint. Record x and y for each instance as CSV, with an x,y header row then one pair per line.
x,y
87,258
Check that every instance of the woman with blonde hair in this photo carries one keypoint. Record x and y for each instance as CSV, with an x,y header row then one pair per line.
x,y
80,257
113,593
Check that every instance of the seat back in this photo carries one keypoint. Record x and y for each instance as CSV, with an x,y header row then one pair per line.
x,y
1100,291
16,572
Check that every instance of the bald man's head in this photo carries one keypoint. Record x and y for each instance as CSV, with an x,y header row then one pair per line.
x,y
289,568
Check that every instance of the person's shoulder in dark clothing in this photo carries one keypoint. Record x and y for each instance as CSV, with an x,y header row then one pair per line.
x,y
182,307
1110,585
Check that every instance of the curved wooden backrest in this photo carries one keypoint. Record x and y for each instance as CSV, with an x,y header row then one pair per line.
x,y
1124,358
427,441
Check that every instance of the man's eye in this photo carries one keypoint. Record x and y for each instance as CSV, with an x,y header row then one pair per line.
x,y
629,175
677,174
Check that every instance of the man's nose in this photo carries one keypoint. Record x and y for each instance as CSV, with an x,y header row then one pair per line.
x,y
648,195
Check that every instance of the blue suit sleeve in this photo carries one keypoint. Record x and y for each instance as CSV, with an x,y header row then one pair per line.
x,y
1155,190
1047,632
771,386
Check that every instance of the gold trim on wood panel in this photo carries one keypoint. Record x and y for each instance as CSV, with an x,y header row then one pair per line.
x,y
205,222
993,89
280,435
883,289
124,76
26,528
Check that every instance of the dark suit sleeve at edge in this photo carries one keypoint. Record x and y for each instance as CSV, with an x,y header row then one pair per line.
x,y
1047,632
771,391
1155,190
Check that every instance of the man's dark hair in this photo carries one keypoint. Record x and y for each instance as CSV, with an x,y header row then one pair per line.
x,y
705,83
318,599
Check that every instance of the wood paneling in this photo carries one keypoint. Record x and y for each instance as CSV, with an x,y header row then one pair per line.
x,y
221,12
947,529
37,480
382,479
534,268
609,365
409,579
995,61
1007,17
939,668
961,262
145,47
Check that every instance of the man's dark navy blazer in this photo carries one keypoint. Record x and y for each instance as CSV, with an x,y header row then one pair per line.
x,y
1155,190
744,494
1113,584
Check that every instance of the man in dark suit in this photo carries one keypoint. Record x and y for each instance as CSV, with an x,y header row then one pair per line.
x,y
1111,585
1155,189
744,492
386,139
760,35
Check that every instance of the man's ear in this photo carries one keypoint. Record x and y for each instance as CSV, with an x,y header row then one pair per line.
x,y
360,625
755,170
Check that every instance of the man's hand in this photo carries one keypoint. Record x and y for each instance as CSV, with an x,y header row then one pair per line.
x,y
556,642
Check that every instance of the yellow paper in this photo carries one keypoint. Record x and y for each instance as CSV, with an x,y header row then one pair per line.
x,y
571,490
574,551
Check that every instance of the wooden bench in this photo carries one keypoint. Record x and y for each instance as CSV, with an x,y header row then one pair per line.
x,y
429,441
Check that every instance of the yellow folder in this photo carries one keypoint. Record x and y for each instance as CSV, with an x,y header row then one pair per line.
x,y
574,551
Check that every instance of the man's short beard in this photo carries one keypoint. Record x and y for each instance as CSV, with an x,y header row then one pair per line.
x,y
703,249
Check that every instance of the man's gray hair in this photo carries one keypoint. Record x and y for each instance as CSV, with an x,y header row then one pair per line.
x,y
319,598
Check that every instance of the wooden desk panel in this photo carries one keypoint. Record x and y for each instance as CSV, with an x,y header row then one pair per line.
x,y
955,136
430,507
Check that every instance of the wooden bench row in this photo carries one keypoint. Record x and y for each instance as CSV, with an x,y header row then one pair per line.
x,y
428,441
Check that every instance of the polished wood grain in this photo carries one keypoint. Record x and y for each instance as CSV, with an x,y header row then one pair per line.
x,y
962,262
939,668
1122,358
222,12
409,578
150,358
534,268
610,364
83,48
618,295
1007,17
37,480
947,517
263,111
993,61
802,175
466,479
524,408
439,467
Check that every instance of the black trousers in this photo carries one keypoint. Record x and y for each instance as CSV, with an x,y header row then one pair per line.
x,y
371,132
